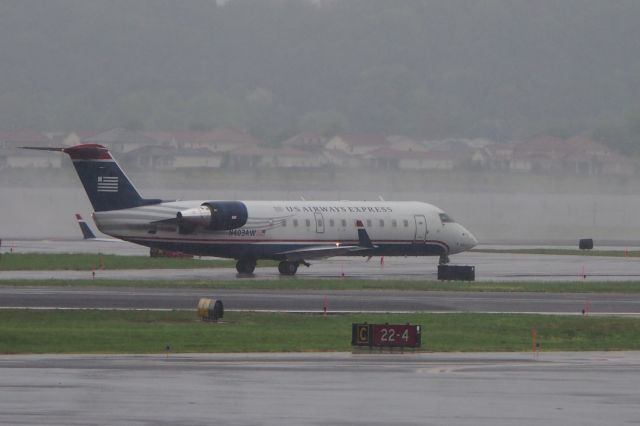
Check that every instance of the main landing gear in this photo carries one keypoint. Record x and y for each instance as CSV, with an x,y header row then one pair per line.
x,y
246,266
290,268
444,259
287,268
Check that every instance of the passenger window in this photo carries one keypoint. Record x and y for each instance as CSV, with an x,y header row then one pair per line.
x,y
368,223
394,223
344,223
284,223
381,223
320,223
307,222
331,223
406,223
295,222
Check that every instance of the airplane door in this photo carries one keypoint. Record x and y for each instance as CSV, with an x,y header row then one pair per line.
x,y
319,223
421,228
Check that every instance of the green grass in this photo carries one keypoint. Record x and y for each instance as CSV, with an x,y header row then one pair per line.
x,y
297,283
87,262
564,252
35,331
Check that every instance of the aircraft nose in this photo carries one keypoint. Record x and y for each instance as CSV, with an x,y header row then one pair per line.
x,y
469,239
474,240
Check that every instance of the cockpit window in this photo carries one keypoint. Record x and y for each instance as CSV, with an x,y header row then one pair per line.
x,y
445,218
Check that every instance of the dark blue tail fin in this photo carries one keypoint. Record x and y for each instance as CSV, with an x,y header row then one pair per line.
x,y
104,181
87,233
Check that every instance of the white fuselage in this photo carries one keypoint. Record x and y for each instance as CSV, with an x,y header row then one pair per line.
x,y
274,227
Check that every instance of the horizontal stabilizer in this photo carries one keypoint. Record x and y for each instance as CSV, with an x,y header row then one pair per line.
x,y
43,148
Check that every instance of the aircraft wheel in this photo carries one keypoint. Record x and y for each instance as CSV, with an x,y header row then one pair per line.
x,y
287,268
444,259
246,266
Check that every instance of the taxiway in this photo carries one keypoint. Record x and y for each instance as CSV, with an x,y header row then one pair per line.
x,y
569,389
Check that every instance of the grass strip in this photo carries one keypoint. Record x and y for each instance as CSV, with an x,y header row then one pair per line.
x,y
563,252
87,262
299,283
92,331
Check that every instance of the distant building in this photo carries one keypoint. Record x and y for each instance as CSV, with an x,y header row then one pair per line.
x,y
167,157
11,156
26,137
404,143
545,154
120,140
306,141
390,159
219,140
284,158
357,143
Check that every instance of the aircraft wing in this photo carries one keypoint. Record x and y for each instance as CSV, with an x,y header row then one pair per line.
x,y
324,251
320,252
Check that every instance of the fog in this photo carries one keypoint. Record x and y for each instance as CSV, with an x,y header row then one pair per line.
x,y
509,217
504,71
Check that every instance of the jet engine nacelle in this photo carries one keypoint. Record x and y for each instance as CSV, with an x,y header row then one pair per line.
x,y
213,215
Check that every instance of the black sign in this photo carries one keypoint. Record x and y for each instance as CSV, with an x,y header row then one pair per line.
x,y
386,335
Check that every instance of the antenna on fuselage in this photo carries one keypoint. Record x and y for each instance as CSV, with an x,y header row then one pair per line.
x,y
380,197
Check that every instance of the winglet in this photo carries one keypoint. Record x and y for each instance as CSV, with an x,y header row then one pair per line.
x,y
84,227
363,236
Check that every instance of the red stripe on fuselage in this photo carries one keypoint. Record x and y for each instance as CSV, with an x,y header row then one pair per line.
x,y
256,241
88,151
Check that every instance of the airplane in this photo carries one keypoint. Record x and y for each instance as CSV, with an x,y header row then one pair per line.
x,y
291,232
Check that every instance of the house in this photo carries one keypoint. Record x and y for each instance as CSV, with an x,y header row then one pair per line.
x,y
219,140
499,156
357,143
76,137
22,158
542,154
120,140
341,159
618,165
168,157
284,158
11,156
25,137
430,160
404,143
306,141
593,158
578,155
393,159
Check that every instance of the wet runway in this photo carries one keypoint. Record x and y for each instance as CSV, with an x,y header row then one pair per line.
x,y
322,389
336,301
489,267
72,246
